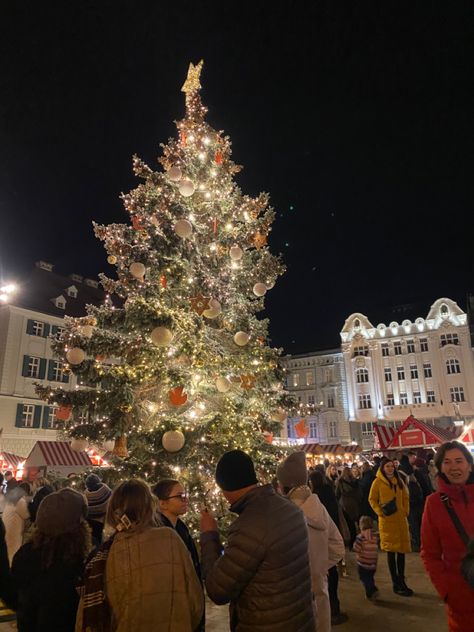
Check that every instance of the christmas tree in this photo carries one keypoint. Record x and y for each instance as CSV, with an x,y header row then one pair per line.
x,y
178,370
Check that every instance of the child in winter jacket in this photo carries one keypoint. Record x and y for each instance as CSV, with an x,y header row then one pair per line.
x,y
366,549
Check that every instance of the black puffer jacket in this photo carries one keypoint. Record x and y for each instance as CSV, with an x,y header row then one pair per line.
x,y
264,571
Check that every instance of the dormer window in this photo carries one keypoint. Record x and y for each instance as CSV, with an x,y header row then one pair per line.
x,y
59,302
72,291
444,311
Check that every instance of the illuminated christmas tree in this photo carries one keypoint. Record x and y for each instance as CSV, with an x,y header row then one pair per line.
x,y
180,371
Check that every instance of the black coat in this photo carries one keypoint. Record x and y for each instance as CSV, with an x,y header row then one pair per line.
x,y
365,484
7,592
47,599
327,496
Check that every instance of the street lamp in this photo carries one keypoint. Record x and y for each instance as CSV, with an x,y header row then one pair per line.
x,y
6,292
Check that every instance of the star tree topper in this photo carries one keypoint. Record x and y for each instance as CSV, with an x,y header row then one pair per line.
x,y
193,83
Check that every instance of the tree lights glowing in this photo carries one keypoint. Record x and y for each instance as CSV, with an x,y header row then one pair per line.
x,y
181,370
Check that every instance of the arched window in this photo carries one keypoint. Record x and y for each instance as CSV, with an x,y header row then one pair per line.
x,y
362,376
453,366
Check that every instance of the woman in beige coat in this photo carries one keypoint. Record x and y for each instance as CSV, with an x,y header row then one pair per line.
x,y
149,579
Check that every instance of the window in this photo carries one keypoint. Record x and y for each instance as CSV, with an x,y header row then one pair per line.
x,y
57,332
72,291
313,429
362,376
28,415
430,397
385,350
38,328
400,373
427,370
410,346
33,367
388,374
453,366
309,378
457,394
51,420
57,371
416,397
397,347
423,344
390,399
361,351
413,371
330,403
403,398
364,401
296,379
311,400
368,429
328,375
449,339
332,426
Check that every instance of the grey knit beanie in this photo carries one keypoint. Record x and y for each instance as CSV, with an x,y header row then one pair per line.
x,y
292,472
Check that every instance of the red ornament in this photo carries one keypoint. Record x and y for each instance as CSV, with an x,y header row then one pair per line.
x,y
302,429
63,413
137,223
163,281
183,138
268,436
100,357
218,157
177,396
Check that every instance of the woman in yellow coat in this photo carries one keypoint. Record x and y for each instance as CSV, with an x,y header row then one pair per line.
x,y
389,499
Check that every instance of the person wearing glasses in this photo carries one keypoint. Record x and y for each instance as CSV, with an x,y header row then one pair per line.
x,y
173,503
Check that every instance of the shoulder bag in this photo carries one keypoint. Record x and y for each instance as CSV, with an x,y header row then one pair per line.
x,y
467,564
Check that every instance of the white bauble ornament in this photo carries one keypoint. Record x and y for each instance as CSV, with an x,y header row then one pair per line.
x,y
183,228
86,330
109,445
186,188
79,445
241,338
236,253
112,259
75,355
137,270
161,336
279,415
173,440
223,384
214,309
174,174
259,289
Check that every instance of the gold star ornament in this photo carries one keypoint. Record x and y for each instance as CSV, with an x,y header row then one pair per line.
x,y
200,303
193,83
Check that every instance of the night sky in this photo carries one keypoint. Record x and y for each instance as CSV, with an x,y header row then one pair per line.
x,y
356,117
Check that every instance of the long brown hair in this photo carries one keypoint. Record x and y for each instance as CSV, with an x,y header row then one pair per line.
x,y
72,547
134,499
396,475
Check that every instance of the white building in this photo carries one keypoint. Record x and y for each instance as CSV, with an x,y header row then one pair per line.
x,y
424,368
28,324
317,380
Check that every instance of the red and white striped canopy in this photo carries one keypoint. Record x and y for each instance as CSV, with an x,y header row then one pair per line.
x,y
467,436
9,461
383,436
60,453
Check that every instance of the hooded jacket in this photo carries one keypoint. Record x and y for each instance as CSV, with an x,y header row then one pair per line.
x,y
394,531
326,546
442,549
264,571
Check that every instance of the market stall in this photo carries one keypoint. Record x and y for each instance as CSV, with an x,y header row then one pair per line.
x,y
415,433
56,457
467,436
12,463
319,452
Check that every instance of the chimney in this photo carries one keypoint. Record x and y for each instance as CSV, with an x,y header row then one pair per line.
x,y
76,277
91,283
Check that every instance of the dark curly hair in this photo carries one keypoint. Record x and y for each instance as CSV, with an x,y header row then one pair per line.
x,y
451,445
65,548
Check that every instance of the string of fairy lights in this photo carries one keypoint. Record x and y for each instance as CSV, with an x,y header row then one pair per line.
x,y
174,367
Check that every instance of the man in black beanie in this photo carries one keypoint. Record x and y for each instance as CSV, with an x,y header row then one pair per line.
x,y
264,570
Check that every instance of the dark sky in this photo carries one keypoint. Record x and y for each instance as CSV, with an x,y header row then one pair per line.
x,y
356,114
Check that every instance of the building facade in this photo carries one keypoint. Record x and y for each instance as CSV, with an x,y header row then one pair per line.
x,y
28,325
424,368
317,381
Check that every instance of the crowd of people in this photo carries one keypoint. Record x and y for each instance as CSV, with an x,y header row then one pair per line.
x,y
124,559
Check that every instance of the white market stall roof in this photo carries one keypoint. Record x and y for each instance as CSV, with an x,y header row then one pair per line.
x,y
467,435
56,453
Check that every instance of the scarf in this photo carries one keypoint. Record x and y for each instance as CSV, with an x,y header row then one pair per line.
x,y
96,615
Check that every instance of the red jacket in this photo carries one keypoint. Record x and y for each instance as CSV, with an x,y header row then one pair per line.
x,y
442,549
